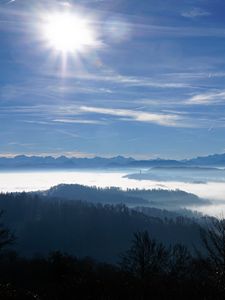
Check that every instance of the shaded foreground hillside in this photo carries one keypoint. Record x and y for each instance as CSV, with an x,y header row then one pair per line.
x,y
72,249
46,223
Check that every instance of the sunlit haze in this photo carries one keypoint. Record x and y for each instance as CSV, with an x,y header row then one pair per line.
x,y
68,32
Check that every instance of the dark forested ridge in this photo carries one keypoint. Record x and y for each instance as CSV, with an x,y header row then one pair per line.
x,y
44,222
110,195
173,199
69,248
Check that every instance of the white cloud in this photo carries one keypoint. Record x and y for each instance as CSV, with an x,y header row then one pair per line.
x,y
11,1
207,98
65,4
128,81
76,121
138,116
195,12
143,81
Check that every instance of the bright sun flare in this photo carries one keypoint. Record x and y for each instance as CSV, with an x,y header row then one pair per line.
x,y
68,33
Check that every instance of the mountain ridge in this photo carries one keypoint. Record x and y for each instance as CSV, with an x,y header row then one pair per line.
x,y
24,161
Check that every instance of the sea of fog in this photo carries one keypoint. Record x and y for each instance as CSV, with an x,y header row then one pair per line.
x,y
211,189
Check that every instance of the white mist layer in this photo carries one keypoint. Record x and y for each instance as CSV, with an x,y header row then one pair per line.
x,y
34,181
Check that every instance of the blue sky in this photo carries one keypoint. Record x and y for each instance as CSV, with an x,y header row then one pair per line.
x,y
152,87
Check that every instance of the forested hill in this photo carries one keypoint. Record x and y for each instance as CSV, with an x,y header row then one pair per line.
x,y
43,223
157,197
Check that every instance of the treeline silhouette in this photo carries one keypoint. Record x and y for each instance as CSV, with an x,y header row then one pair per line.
x,y
147,270
43,224
71,249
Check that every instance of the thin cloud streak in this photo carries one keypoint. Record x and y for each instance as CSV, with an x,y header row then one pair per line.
x,y
83,121
130,81
210,98
195,12
139,116
87,115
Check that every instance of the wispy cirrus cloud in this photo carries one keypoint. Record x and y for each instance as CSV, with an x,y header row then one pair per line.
x,y
178,119
145,81
101,116
132,115
80,121
129,81
209,98
195,12
11,1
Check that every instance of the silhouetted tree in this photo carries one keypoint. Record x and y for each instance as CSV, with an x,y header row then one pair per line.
x,y
6,237
213,238
145,257
180,260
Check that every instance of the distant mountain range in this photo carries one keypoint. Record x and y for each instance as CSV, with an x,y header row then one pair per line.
x,y
63,162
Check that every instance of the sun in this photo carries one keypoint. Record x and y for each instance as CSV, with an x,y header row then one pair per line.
x,y
68,33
